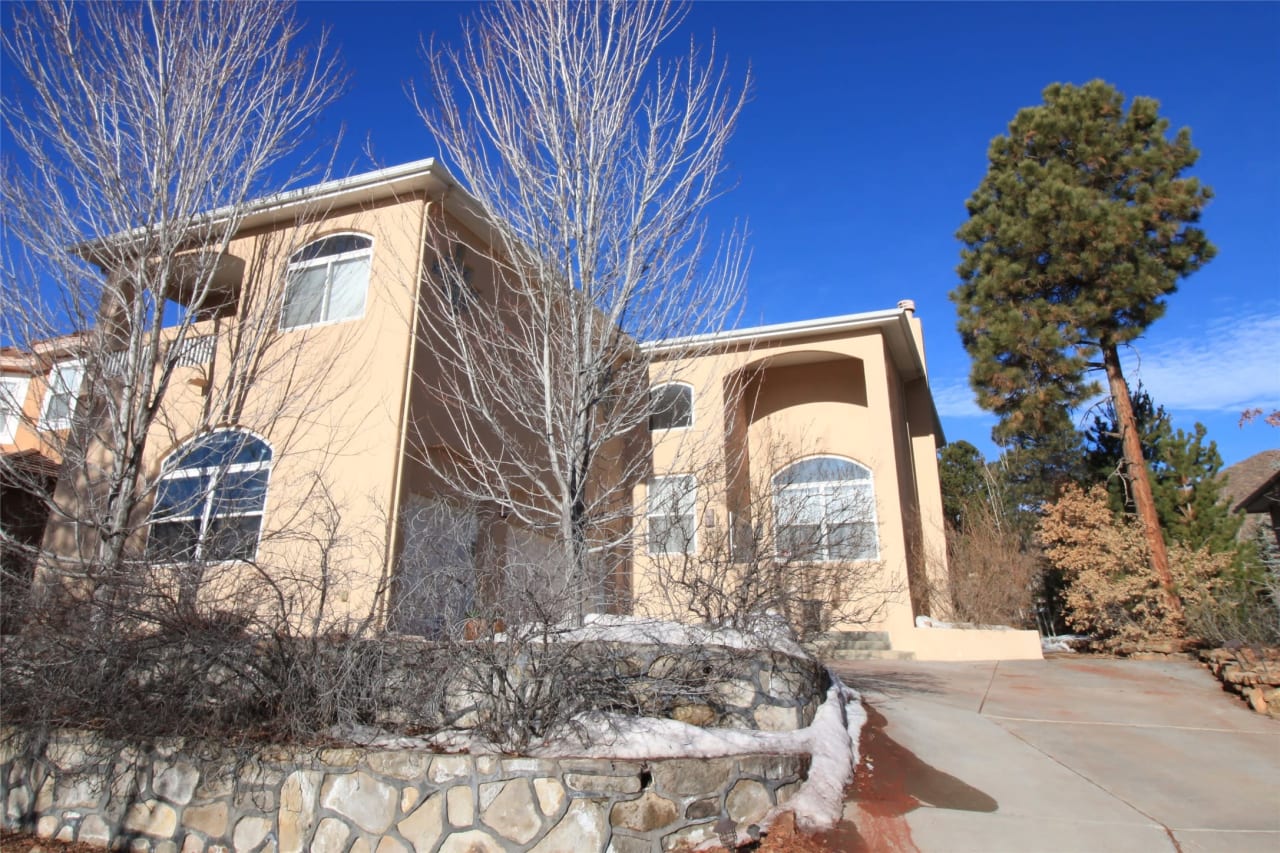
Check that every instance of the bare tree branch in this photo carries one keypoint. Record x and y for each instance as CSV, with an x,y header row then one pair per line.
x,y
592,160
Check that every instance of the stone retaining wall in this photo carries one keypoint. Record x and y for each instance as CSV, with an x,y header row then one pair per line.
x,y
1251,672
186,797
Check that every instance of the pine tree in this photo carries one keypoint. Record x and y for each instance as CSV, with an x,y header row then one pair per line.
x,y
961,470
1079,230
1184,474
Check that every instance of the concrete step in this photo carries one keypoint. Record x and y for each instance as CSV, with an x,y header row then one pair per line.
x,y
868,654
859,645
851,640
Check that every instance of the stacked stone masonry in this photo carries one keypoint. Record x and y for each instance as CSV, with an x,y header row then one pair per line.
x,y
1254,673
176,797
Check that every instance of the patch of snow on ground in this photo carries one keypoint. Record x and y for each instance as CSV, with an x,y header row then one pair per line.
x,y
831,739
771,632
1062,642
930,622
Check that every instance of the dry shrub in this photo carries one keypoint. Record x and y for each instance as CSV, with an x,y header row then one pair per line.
x,y
1111,592
1245,609
993,576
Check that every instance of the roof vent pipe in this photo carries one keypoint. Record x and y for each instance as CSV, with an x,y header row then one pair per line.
x,y
908,305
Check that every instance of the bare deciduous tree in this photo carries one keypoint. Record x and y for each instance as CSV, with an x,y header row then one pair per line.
x,y
592,160
141,134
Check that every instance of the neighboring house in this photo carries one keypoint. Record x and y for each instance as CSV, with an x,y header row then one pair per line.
x,y
38,395
316,467
1253,487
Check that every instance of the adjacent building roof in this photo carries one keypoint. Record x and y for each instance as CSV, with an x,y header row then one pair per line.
x,y
1247,484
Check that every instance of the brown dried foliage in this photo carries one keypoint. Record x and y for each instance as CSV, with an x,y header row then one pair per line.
x,y
1111,592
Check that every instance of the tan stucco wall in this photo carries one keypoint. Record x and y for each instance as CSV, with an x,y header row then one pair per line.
x,y
952,644
327,399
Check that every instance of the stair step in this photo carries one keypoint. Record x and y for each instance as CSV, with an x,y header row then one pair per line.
x,y
868,654
850,641
862,645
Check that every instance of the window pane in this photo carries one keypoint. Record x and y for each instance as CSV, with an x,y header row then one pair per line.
x,y
349,282
232,538
226,447
58,407
855,541
800,542
673,495
823,469
241,492
304,297
335,245
173,541
672,407
232,499
181,497
852,502
670,534
800,505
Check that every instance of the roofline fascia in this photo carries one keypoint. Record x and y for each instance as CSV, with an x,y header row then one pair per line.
x,y
270,209
773,332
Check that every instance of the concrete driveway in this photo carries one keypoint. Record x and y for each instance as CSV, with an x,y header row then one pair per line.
x,y
1075,754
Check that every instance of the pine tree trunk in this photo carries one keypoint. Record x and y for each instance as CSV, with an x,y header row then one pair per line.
x,y
1139,478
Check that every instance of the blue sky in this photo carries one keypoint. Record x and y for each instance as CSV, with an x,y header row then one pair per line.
x,y
867,130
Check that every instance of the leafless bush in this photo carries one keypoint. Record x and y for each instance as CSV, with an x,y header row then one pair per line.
x,y
1245,608
993,576
497,603
800,541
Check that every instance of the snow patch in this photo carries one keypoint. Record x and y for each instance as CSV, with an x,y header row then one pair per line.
x,y
1063,642
831,740
930,622
769,633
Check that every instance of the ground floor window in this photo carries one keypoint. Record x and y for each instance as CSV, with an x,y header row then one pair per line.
x,y
825,510
210,500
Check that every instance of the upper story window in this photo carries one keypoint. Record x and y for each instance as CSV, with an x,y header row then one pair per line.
x,y
61,395
327,281
671,512
13,395
454,277
825,510
670,406
210,500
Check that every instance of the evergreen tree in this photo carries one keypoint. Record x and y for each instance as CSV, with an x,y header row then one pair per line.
x,y
1184,474
1079,230
961,471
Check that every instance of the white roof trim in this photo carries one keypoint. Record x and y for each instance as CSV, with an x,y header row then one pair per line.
x,y
339,192
777,331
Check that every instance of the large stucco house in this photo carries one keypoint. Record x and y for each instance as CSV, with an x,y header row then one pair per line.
x,y
320,465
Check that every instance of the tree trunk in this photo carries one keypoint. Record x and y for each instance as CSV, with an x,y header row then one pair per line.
x,y
1139,478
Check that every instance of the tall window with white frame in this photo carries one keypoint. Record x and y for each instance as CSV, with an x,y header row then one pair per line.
x,y
60,397
671,513
210,500
327,281
825,510
13,396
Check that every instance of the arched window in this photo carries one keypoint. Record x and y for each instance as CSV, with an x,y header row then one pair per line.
x,y
670,406
327,280
210,499
825,509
